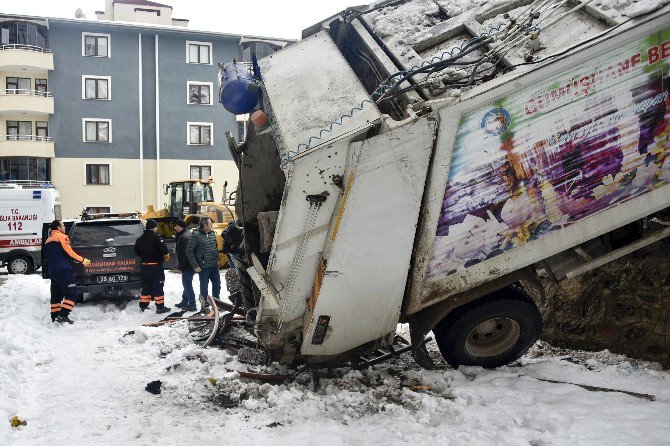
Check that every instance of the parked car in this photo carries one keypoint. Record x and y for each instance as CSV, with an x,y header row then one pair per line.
x,y
107,240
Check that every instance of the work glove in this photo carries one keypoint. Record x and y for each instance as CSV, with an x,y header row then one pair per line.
x,y
166,257
86,262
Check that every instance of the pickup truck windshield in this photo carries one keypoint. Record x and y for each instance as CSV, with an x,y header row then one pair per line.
x,y
96,233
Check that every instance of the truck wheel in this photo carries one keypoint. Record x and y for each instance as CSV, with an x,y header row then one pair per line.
x,y
19,265
489,333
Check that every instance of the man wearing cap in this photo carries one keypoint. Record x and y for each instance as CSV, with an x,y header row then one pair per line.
x,y
58,256
188,295
153,253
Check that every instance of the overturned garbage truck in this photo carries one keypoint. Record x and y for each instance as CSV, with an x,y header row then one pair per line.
x,y
435,185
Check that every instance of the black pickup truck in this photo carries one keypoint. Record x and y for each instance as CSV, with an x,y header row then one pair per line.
x,y
108,243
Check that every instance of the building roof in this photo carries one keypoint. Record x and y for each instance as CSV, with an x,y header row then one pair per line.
x,y
138,26
143,3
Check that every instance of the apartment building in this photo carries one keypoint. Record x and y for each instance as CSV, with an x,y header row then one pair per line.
x,y
109,111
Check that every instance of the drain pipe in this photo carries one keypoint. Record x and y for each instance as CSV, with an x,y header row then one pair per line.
x,y
141,122
158,133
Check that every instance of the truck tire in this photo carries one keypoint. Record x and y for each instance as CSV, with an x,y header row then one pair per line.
x,y
19,265
490,332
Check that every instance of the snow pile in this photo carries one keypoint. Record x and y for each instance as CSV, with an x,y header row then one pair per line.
x,y
642,7
23,320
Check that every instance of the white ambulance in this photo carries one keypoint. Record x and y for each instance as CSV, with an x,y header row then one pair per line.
x,y
24,208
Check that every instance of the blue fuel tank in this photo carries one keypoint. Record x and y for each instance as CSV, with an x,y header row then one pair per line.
x,y
239,92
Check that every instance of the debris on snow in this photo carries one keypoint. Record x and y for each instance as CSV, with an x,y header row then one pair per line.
x,y
16,422
154,387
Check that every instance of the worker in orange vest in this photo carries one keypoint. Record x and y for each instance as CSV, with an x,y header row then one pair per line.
x,y
58,256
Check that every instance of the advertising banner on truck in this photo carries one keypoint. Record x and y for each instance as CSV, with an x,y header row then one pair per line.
x,y
548,156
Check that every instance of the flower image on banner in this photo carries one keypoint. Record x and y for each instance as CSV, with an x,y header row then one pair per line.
x,y
548,156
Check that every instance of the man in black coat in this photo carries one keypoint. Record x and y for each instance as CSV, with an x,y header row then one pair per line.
x,y
233,237
153,253
188,295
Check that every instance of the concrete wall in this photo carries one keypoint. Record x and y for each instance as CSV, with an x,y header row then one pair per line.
x,y
65,125
623,307
123,68
124,192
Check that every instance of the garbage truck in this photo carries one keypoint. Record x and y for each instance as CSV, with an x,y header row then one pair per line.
x,y
440,183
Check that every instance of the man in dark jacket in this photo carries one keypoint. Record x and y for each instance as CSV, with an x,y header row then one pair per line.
x,y
232,236
153,253
188,296
58,254
203,255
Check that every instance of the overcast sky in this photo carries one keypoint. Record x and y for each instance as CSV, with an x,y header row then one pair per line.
x,y
267,18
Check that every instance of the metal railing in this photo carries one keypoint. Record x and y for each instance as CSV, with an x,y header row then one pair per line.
x,y
27,138
28,184
19,46
21,91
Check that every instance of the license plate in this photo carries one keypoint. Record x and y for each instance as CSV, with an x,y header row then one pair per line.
x,y
116,278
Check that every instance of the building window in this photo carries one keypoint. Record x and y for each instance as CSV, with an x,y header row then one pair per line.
x,y
98,209
200,172
41,86
200,93
96,87
200,133
97,174
23,33
95,45
42,129
24,169
19,130
199,52
258,49
18,85
97,130
242,121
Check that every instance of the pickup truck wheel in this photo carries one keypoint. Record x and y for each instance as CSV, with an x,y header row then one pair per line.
x,y
490,333
19,265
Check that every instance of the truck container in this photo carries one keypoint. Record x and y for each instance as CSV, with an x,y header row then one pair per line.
x,y
440,194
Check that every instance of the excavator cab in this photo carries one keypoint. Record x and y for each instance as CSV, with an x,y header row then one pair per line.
x,y
191,200
184,196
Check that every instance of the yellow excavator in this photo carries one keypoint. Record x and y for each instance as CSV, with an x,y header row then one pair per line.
x,y
191,200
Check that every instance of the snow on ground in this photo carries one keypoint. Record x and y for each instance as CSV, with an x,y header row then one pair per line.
x,y
85,384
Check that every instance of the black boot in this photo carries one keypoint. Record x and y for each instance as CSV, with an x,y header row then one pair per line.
x,y
162,309
64,319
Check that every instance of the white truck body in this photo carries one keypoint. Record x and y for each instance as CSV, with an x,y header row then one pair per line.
x,y
383,220
23,211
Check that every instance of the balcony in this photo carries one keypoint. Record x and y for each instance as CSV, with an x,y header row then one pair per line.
x,y
14,101
25,58
27,145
